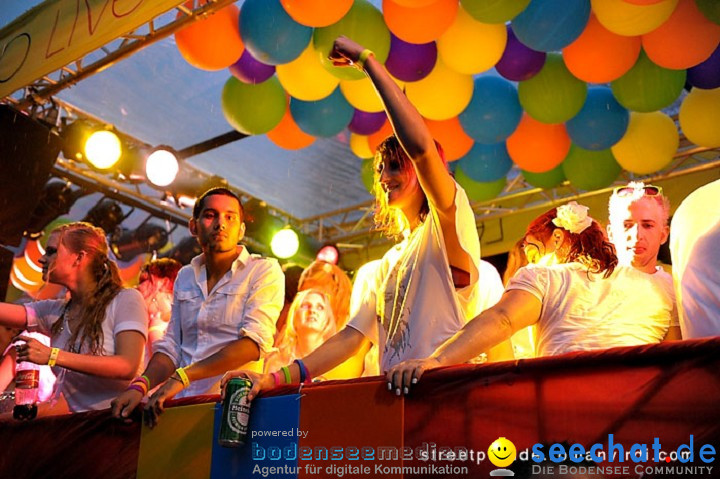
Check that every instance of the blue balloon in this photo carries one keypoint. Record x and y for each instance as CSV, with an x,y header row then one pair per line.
x,y
486,162
493,112
326,117
601,122
270,34
551,25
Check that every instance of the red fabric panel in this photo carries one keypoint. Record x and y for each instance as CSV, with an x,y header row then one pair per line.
x,y
92,445
342,414
668,391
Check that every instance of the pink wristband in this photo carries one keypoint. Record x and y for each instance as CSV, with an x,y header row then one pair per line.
x,y
276,378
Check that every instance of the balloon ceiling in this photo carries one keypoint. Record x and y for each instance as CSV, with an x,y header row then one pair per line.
x,y
564,89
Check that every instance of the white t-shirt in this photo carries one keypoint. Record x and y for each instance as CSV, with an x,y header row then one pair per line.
x,y
85,392
409,317
583,311
694,245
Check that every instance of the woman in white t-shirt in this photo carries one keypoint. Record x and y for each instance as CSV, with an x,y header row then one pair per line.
x,y
98,336
426,287
577,295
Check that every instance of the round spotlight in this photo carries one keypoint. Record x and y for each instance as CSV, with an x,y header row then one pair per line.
x,y
161,167
103,149
329,253
285,243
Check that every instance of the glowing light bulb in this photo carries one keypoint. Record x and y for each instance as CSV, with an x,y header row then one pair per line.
x,y
103,149
161,167
285,243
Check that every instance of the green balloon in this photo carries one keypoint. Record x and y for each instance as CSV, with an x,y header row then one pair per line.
x,y
494,11
253,109
479,190
547,180
590,170
710,8
648,87
366,173
554,95
364,24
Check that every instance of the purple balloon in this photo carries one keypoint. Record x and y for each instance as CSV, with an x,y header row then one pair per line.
x,y
249,70
410,61
706,75
519,62
366,123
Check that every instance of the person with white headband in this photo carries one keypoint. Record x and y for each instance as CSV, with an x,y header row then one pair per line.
x,y
578,296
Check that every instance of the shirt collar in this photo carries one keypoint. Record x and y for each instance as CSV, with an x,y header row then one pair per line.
x,y
199,261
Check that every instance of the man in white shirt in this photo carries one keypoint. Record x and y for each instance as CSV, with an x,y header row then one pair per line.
x,y
225,306
696,261
638,227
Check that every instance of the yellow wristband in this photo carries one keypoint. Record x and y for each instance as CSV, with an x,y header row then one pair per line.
x,y
364,55
52,360
183,376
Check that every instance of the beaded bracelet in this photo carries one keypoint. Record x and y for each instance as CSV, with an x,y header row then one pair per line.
x,y
52,360
183,376
364,55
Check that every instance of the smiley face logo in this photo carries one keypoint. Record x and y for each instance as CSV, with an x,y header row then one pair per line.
x,y
502,452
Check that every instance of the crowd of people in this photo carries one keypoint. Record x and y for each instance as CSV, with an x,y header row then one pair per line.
x,y
571,285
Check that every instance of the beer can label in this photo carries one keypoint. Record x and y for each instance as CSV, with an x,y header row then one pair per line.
x,y
27,379
239,412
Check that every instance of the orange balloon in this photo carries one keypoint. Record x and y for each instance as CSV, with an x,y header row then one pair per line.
x,y
33,253
686,39
642,2
287,134
414,3
451,136
538,147
599,55
316,13
212,43
421,24
376,138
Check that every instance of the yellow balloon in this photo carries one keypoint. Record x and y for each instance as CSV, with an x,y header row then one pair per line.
x,y
649,144
305,78
469,46
359,146
441,95
700,117
628,19
362,95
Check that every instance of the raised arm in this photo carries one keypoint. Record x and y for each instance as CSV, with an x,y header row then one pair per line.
x,y
407,123
516,310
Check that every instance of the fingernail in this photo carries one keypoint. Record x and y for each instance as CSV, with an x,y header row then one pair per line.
x,y
389,386
405,390
397,392
414,380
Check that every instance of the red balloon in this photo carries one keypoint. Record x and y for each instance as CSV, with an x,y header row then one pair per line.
x,y
538,147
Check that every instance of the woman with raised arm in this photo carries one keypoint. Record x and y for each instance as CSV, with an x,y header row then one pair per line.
x,y
426,287
577,295
98,335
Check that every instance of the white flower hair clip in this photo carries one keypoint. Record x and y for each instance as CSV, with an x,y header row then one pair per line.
x,y
573,217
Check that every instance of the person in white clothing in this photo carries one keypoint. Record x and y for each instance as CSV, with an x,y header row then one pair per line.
x,y
587,302
638,226
225,306
426,287
694,240
98,335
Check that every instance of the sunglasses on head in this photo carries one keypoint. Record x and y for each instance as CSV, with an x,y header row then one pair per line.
x,y
648,190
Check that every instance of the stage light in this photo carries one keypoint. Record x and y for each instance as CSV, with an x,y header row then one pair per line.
x,y
329,253
161,166
285,243
147,238
106,214
103,149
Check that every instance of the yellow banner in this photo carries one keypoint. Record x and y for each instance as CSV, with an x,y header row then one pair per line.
x,y
58,32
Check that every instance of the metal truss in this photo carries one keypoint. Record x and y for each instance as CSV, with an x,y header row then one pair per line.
x,y
160,27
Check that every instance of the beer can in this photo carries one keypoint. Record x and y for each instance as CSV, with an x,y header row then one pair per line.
x,y
235,414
